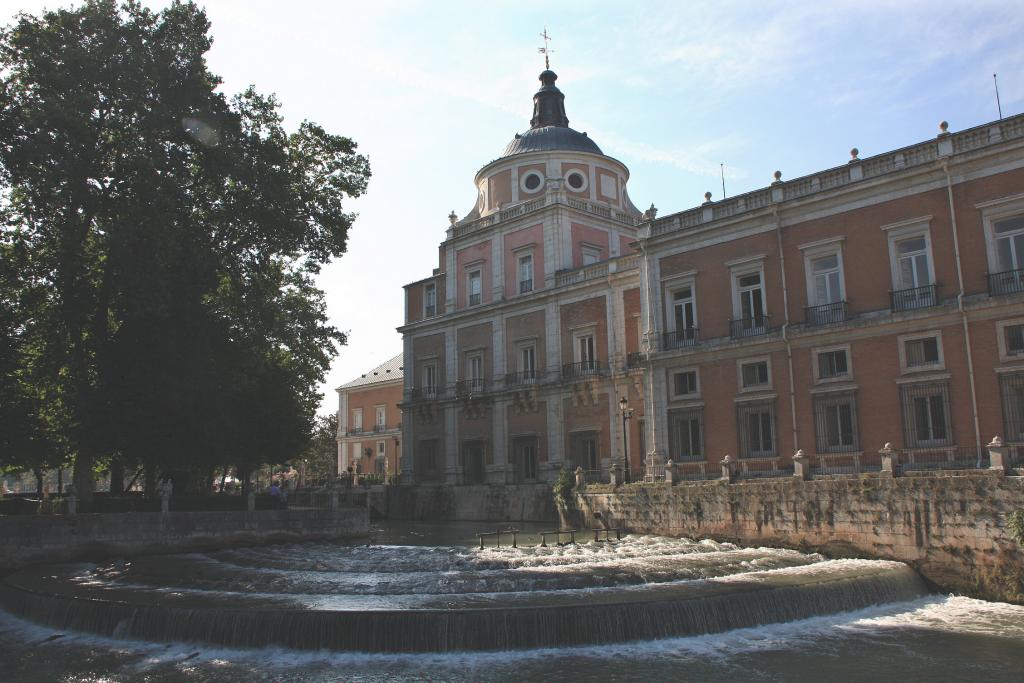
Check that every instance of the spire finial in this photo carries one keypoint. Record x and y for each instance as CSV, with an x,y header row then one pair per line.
x,y
546,51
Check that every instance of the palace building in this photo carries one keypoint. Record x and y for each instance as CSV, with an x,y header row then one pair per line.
x,y
881,301
369,421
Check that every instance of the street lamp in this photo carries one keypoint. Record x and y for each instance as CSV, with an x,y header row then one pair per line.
x,y
627,413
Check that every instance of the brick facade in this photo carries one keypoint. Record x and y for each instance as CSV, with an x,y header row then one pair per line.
x,y
823,314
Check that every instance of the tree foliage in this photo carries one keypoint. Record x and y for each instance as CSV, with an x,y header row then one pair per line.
x,y
163,240
321,455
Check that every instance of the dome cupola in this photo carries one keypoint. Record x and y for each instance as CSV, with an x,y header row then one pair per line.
x,y
549,127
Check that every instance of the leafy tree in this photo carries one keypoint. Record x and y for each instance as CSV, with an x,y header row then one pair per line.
x,y
171,235
321,455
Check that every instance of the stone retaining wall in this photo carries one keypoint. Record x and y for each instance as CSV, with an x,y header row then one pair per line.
x,y
28,539
951,527
484,503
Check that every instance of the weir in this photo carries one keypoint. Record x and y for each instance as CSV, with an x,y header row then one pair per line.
x,y
446,598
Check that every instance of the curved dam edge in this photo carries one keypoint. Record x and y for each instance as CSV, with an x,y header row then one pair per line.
x,y
685,609
952,528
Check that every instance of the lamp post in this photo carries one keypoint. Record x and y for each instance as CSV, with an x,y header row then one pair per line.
x,y
627,413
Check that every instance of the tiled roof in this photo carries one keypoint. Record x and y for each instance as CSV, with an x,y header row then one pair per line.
x,y
388,372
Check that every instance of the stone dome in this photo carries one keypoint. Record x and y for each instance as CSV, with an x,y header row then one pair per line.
x,y
549,138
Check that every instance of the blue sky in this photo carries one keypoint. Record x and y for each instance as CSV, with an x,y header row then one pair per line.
x,y
434,90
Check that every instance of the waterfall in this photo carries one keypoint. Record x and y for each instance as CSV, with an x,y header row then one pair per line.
x,y
795,586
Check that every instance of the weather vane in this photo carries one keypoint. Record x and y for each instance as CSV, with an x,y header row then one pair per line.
x,y
546,51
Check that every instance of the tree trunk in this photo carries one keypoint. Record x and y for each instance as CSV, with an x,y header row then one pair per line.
x,y
244,472
223,478
60,481
116,477
149,488
39,480
83,476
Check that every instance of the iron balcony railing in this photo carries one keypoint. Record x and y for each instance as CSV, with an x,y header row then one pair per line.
x,y
424,393
522,378
470,386
1006,282
430,312
587,368
379,428
826,314
474,299
749,327
913,298
634,359
525,286
681,338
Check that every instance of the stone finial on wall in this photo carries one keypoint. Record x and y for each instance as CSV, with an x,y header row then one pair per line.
x,y
728,469
801,465
997,454
890,459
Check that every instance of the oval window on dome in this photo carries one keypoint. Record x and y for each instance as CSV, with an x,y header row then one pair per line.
x,y
576,180
532,181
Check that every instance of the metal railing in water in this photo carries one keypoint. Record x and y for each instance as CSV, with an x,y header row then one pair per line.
x,y
497,536
558,533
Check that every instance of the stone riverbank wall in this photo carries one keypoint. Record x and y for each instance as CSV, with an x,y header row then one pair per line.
x,y
952,527
480,503
29,539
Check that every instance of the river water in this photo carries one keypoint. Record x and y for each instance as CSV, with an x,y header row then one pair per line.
x,y
420,567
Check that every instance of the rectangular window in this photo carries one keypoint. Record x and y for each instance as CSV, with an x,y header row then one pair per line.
x,y
590,254
1009,243
429,301
684,383
585,352
584,453
475,371
756,425
751,299
1012,389
925,415
754,375
912,265
912,274
686,434
381,416
1014,339
474,288
922,353
525,273
833,364
427,466
473,459
524,458
682,309
357,419
429,379
835,424
827,280
528,362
